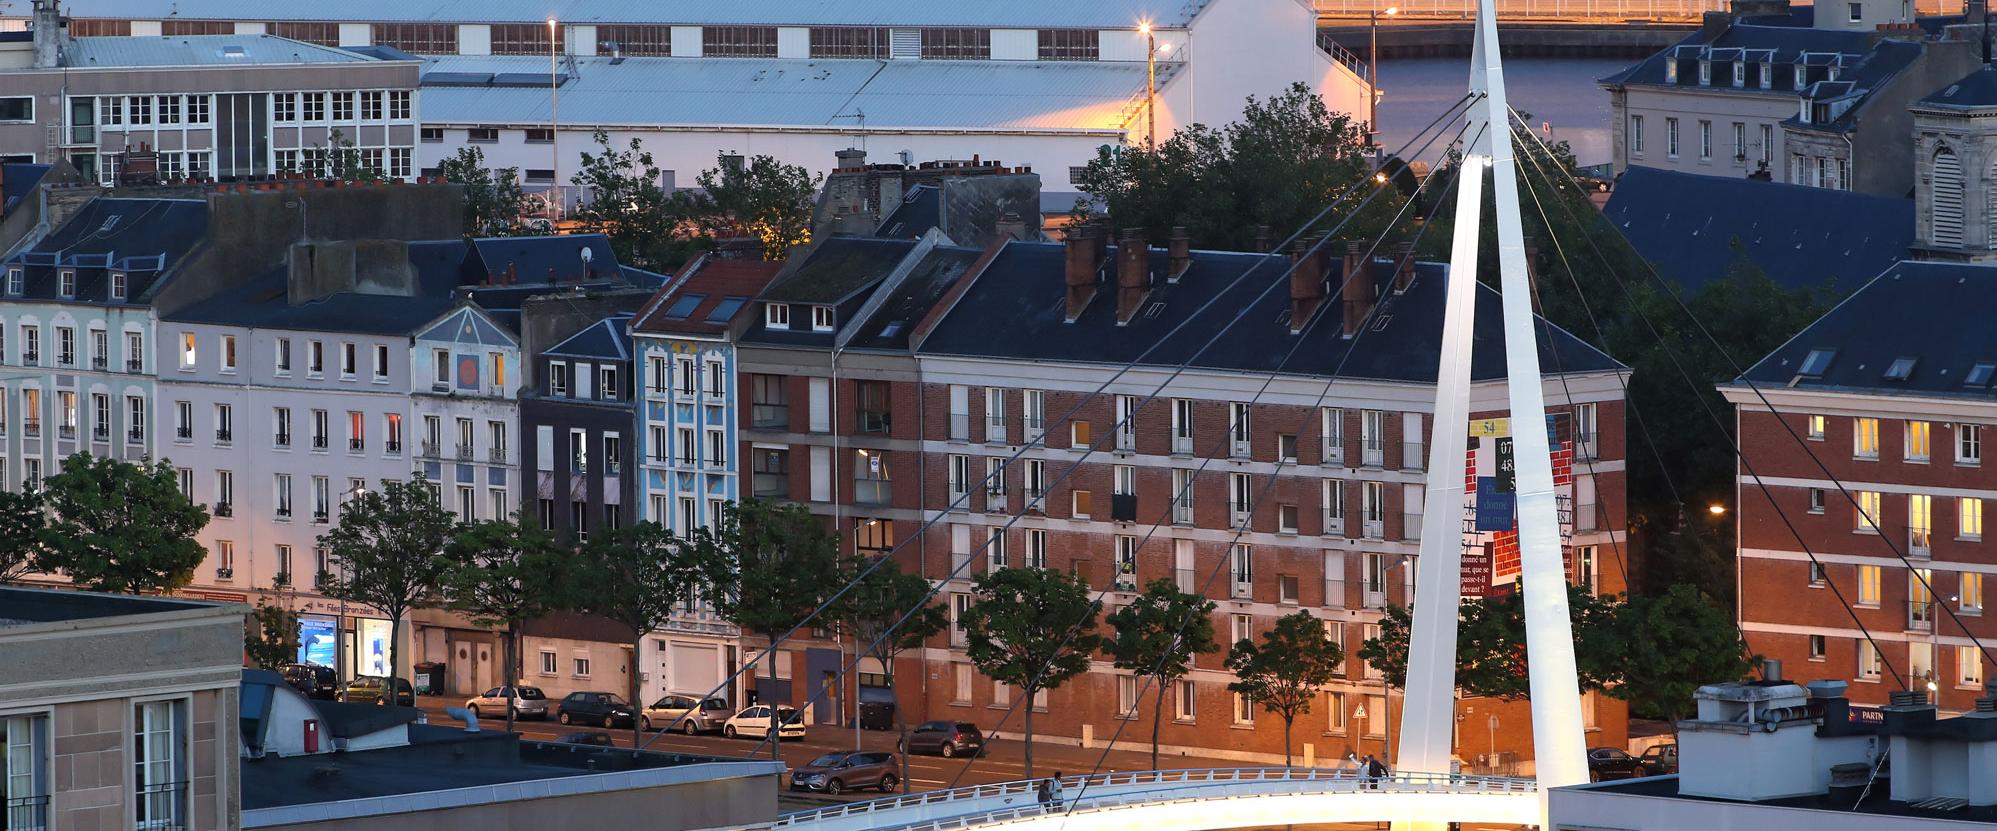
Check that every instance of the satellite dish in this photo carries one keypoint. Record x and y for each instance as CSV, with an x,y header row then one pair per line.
x,y
586,255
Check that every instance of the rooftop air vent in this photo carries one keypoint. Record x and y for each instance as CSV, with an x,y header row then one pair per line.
x,y
232,52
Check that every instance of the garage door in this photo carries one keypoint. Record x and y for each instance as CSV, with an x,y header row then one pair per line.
x,y
696,668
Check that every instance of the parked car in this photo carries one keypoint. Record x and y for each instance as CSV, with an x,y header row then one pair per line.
x,y
945,738
527,702
843,770
700,716
313,680
607,709
754,722
1606,763
373,689
594,738
1659,760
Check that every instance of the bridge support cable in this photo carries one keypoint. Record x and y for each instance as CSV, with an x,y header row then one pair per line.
x,y
1374,188
1546,168
1037,441
1559,747
1145,681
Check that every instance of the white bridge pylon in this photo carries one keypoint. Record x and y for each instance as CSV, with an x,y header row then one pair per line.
x,y
1559,749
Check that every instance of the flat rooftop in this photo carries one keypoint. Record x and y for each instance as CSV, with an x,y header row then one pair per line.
x,y
1101,14
200,50
21,606
1875,803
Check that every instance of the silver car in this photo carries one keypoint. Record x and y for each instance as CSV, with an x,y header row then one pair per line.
x,y
686,715
528,702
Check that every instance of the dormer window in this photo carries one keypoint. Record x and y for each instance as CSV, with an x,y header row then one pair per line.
x,y
606,383
66,282
1671,70
776,315
558,378
1802,76
15,280
117,285
1767,74
1740,73
821,318
1832,71
1705,72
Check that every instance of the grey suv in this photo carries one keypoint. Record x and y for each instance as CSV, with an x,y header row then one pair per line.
x,y
845,770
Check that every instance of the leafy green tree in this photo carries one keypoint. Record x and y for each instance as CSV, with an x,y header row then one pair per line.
x,y
785,566
1490,644
1285,160
641,576
625,201
1159,634
346,162
1669,645
21,522
388,554
117,526
1286,670
505,573
871,611
271,639
1032,629
763,198
494,201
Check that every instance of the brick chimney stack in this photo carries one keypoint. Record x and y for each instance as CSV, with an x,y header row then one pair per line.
x,y
46,30
1404,267
1180,248
1262,239
1356,277
1306,283
1081,270
1133,274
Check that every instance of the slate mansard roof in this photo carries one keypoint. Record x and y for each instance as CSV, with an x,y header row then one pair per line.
x,y
1801,237
1014,312
144,239
1919,328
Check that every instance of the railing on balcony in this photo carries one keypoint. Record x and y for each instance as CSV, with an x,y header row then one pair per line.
x,y
1126,436
872,491
183,433
1182,508
767,416
960,426
770,485
1238,447
873,421
65,359
27,813
1920,615
995,501
100,432
1334,449
1414,455
319,517
1242,590
224,509
1411,526
161,807
995,432
1920,542
31,358
1373,452
1182,445
33,427
1334,524
465,453
99,363
65,431
356,445
318,442
223,435
496,455
1373,529
284,511
136,435
1585,447
135,365
1238,514
1374,597
392,447
430,450
283,440
1035,428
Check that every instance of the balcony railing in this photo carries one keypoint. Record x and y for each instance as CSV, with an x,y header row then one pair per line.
x,y
1126,436
1334,449
1373,452
1920,542
1238,447
1238,514
136,435
465,453
1920,615
496,455
873,491
1374,597
31,358
1036,427
223,435
1334,524
33,427
769,416
995,501
28,813
430,449
1242,590
224,509
319,517
995,432
318,442
873,421
65,431
100,432
1410,526
135,365
770,485
282,440
1414,455
99,362
357,445
1182,509
392,447
283,512
183,433
65,359
1585,447
1373,529
960,426
161,807
1182,444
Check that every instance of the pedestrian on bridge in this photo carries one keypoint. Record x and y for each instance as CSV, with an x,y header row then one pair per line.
x,y
1375,771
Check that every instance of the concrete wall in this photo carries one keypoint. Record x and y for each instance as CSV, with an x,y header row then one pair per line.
x,y
709,804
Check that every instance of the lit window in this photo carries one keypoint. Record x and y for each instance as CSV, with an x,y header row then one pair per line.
x,y
188,352
1865,438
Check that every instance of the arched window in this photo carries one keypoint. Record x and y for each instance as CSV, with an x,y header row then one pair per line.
x,y
1945,200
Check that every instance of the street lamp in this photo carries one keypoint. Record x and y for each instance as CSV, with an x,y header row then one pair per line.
x,y
1716,509
1373,72
554,126
1150,83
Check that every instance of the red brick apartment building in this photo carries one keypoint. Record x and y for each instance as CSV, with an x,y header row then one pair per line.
x,y
1891,392
901,379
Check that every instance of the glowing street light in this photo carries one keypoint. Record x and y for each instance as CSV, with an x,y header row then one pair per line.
x,y
1716,509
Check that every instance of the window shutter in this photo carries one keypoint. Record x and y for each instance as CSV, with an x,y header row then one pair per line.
x,y
1945,199
904,43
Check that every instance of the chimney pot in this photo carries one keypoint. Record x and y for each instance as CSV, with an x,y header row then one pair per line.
x,y
1404,267
1262,237
1356,282
1306,283
1081,269
1180,251
1133,273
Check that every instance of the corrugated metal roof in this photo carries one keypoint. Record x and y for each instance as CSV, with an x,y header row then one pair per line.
x,y
200,50
774,92
1094,14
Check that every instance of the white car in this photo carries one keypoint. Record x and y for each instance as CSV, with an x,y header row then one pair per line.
x,y
754,722
527,702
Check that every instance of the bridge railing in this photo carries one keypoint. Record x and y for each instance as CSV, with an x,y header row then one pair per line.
x,y
1560,10
1197,785
1118,784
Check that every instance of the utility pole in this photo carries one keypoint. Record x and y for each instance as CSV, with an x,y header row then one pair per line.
x,y
554,125
1373,75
